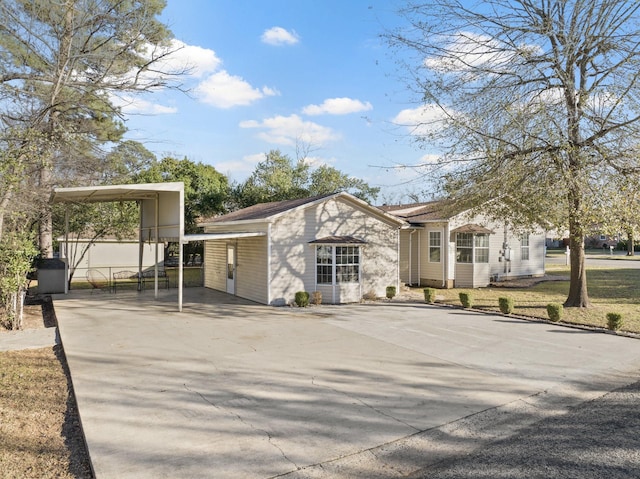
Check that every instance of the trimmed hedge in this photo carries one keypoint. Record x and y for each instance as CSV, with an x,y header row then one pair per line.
x,y
391,292
429,295
555,311
302,299
614,321
506,305
466,299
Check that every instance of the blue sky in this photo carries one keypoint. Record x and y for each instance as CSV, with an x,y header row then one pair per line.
x,y
272,74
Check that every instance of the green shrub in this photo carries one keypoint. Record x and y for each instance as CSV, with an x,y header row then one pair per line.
x,y
555,311
506,305
614,321
316,297
429,295
302,299
391,292
466,299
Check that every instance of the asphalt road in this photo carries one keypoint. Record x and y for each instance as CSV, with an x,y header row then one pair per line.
x,y
594,440
617,260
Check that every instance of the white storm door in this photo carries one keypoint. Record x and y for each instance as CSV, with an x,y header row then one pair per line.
x,y
231,269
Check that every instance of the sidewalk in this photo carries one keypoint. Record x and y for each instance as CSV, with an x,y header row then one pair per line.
x,y
29,339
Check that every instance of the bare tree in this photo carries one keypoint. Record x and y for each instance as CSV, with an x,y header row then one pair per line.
x,y
61,64
527,101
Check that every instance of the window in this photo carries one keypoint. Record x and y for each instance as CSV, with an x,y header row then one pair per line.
x,y
340,264
481,243
324,264
464,247
435,242
472,248
524,247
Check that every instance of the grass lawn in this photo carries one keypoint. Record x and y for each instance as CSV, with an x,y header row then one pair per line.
x,y
39,426
610,290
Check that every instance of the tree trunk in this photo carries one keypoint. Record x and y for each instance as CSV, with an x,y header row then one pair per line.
x,y
578,296
46,221
630,245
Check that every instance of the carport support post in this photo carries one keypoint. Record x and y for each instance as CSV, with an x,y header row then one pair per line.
x,y
157,231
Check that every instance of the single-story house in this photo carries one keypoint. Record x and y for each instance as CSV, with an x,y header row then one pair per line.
x,y
108,255
447,250
336,244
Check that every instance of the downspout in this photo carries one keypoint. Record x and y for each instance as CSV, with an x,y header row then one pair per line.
x,y
419,256
445,256
140,245
269,263
411,255
398,261
66,246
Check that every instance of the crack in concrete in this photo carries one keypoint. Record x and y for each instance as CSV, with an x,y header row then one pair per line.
x,y
364,403
270,438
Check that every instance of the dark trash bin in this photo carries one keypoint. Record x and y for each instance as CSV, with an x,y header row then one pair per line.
x,y
52,276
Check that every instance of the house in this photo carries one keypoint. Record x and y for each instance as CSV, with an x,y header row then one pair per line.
x,y
336,244
446,250
108,255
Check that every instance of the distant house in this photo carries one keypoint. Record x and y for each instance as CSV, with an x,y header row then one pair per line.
x,y
447,251
108,255
336,244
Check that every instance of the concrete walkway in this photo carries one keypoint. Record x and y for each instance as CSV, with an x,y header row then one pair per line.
x,y
231,389
28,339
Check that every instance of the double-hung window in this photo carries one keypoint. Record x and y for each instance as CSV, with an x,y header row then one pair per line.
x,y
337,264
524,247
435,245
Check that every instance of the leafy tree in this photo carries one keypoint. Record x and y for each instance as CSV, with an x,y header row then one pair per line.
x,y
93,221
17,251
279,178
61,63
206,191
529,101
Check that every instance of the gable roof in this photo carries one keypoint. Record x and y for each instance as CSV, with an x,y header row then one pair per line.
x,y
264,212
439,210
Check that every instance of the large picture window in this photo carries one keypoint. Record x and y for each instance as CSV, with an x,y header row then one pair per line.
x,y
472,248
337,264
435,244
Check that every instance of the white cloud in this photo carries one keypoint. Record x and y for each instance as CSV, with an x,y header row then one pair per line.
x,y
223,90
278,36
420,121
337,106
289,130
137,105
197,60
242,168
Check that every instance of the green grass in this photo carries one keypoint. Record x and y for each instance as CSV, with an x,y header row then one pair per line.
x,y
192,277
610,291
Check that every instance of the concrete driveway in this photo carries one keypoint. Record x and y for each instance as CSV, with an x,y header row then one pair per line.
x,y
231,389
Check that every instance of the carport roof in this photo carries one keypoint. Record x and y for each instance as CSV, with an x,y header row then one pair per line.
x,y
98,194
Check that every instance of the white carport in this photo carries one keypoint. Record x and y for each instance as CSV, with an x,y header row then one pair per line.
x,y
161,213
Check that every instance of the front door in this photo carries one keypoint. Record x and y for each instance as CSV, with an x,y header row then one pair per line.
x,y
231,269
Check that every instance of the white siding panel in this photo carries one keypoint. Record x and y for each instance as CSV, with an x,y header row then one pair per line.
x,y
251,269
215,265
293,258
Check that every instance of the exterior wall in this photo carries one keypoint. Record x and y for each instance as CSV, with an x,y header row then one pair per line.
x,y
251,269
215,265
250,262
112,256
432,274
293,259
410,255
479,274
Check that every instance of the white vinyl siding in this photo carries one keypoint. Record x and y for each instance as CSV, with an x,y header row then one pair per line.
x,y
215,268
294,259
251,268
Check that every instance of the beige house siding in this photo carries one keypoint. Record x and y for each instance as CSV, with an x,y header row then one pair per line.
x,y
410,250
293,258
215,265
251,269
432,273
